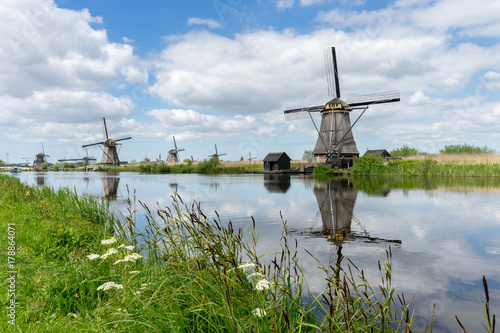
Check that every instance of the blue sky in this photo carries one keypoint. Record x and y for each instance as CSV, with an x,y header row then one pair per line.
x,y
222,72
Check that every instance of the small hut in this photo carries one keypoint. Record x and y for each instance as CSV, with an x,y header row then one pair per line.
x,y
277,161
382,153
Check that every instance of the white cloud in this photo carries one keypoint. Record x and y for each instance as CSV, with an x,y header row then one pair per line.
x,y
212,24
285,4
418,98
45,47
189,121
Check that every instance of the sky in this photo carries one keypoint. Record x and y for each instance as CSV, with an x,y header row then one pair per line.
x,y
222,72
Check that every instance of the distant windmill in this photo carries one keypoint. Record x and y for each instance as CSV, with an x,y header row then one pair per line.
x,y
250,158
173,154
159,158
109,153
216,155
335,142
40,158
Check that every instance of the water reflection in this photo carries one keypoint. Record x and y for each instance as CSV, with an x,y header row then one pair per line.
x,y
336,199
110,185
277,183
40,179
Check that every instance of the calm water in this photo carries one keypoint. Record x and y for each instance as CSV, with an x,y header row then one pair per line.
x,y
444,233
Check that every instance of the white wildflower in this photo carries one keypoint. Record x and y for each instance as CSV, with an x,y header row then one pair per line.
x,y
263,285
109,252
74,315
134,256
93,256
134,272
124,260
110,285
255,277
246,266
127,247
259,312
108,241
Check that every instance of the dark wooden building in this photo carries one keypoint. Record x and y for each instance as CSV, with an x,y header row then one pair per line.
x,y
277,161
379,153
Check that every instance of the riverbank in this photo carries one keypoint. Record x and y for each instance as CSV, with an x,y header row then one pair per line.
x,y
76,270
460,165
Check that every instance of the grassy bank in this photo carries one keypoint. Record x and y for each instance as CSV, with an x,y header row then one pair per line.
x,y
440,165
183,273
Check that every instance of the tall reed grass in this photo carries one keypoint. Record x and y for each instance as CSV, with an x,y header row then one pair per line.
x,y
81,269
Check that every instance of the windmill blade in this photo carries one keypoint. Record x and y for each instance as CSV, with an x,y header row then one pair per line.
x,y
181,149
93,144
332,75
221,154
216,152
293,114
122,139
105,128
378,98
317,108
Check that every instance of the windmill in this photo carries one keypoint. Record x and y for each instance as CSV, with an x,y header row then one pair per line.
x,y
216,155
335,143
109,153
173,154
250,158
40,158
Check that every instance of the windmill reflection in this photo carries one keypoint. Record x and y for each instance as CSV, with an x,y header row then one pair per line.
x,y
40,179
110,185
336,199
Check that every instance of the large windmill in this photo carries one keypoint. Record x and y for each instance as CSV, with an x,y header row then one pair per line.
x,y
173,154
40,159
109,153
216,155
335,142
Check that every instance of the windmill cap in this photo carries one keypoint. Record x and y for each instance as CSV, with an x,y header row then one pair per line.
x,y
337,105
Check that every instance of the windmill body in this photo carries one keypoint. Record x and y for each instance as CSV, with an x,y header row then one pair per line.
x,y
335,143
109,152
173,154
216,155
40,159
335,134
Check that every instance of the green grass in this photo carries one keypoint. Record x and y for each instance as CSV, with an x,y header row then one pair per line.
x,y
195,275
210,166
372,165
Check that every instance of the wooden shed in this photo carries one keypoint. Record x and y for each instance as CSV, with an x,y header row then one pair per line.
x,y
277,161
378,152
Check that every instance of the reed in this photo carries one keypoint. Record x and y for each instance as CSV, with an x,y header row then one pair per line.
x,y
483,165
81,269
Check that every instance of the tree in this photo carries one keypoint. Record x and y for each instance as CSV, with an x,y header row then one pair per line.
x,y
2,163
308,156
44,166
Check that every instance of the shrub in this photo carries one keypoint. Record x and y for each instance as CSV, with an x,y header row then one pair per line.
x,y
44,166
466,149
405,151
367,164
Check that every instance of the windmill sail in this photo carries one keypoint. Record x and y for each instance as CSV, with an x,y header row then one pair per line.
x,y
335,143
109,153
